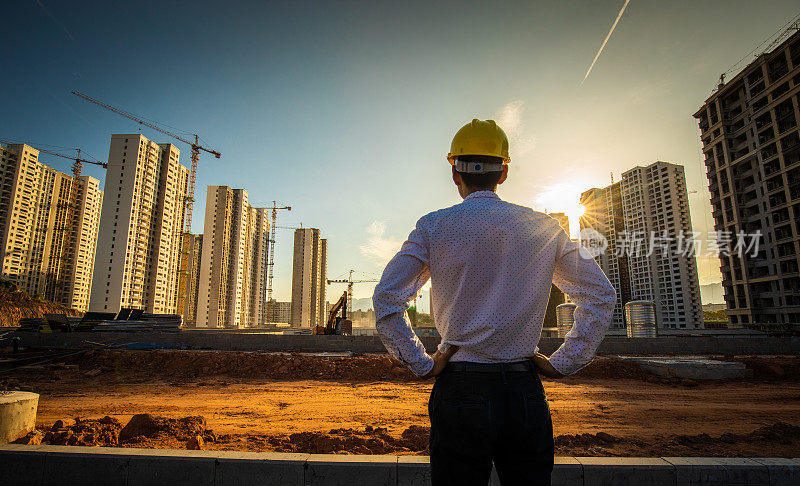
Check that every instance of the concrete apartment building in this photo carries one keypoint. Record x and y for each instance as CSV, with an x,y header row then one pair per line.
x,y
604,214
749,130
47,244
194,245
232,283
141,224
643,217
281,312
309,269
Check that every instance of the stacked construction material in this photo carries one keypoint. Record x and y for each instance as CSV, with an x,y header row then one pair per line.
x,y
91,319
34,324
135,320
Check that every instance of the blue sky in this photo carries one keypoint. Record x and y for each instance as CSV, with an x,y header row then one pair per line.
x,y
345,110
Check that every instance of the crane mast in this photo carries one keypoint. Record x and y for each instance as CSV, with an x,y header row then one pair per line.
x,y
271,261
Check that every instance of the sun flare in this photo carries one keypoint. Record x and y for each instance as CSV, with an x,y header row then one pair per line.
x,y
564,198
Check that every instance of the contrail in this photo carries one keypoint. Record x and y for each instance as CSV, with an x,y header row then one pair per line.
x,y
68,34
606,40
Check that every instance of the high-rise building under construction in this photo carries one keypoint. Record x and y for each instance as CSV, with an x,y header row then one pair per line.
x,y
604,214
141,224
749,131
649,255
309,269
232,282
193,245
47,245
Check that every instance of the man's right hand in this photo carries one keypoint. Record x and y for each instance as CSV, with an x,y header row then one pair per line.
x,y
440,360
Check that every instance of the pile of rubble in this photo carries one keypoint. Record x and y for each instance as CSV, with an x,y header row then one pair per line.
x,y
143,430
372,440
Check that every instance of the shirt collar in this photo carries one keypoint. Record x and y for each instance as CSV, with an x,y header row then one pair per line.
x,y
478,194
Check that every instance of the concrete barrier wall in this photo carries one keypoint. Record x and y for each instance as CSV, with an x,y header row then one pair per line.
x,y
79,466
247,341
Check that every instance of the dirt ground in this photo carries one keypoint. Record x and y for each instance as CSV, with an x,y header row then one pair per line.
x,y
368,405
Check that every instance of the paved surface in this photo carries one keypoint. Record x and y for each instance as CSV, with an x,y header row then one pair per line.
x,y
67,466
695,368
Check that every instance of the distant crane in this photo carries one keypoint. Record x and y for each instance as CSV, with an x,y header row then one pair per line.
x,y
54,283
189,203
350,283
271,250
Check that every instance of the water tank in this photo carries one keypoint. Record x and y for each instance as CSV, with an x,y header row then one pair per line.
x,y
640,316
565,318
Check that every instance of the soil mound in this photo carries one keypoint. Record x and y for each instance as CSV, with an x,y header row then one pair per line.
x,y
84,432
184,365
603,367
145,426
142,430
770,367
351,441
780,432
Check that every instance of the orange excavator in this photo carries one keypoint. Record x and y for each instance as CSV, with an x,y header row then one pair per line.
x,y
336,325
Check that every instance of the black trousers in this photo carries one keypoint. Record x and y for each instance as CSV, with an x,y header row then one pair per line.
x,y
482,417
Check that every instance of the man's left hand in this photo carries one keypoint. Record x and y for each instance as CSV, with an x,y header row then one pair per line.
x,y
440,360
544,367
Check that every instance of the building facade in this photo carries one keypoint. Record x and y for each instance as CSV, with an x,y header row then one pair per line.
x,y
649,255
604,214
309,274
749,131
193,244
281,312
138,256
232,283
48,227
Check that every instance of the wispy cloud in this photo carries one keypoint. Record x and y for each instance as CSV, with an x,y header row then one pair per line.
x,y
648,90
379,248
509,118
599,51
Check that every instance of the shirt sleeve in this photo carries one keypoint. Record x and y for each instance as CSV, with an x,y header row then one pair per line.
x,y
403,277
579,276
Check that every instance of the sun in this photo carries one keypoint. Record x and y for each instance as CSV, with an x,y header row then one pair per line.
x,y
564,197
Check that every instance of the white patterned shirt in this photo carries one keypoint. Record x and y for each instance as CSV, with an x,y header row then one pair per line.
x,y
491,264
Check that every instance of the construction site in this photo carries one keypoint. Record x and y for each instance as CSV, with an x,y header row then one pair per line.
x,y
329,400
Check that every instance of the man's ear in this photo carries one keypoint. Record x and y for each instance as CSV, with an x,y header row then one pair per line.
x,y
505,174
456,177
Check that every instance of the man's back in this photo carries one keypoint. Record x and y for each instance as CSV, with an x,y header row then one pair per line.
x,y
491,264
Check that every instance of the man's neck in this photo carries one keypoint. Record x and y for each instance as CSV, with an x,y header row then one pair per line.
x,y
467,190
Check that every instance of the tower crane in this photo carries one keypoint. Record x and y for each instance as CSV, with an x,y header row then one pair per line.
x,y
189,204
271,251
54,283
77,164
350,283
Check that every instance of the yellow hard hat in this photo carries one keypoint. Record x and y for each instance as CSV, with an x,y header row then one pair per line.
x,y
480,137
